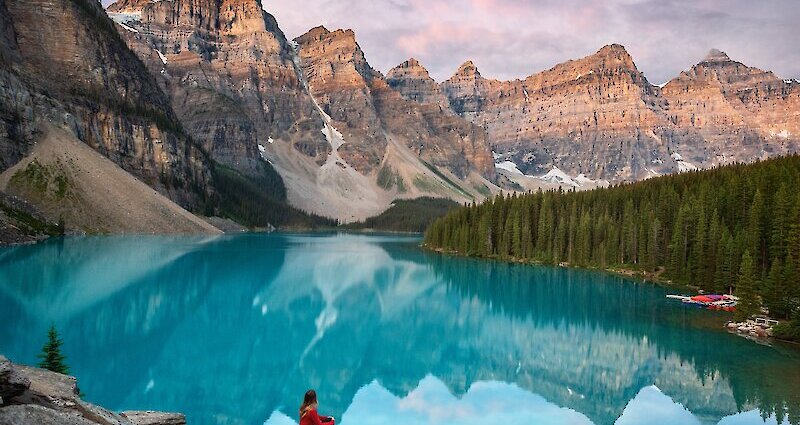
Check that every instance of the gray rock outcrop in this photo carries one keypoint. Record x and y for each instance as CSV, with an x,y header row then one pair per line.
x,y
30,395
154,418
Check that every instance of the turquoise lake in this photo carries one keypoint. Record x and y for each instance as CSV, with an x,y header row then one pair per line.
x,y
234,329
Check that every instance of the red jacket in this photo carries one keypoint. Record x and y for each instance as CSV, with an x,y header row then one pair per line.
x,y
313,418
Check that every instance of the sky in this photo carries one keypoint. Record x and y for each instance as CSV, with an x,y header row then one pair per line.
x,y
510,39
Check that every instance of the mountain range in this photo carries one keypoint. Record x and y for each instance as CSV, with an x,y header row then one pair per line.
x,y
210,105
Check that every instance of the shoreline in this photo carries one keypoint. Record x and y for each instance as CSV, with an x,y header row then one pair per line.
x,y
648,277
243,232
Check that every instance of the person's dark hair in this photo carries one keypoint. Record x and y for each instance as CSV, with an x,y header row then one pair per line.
x,y
309,402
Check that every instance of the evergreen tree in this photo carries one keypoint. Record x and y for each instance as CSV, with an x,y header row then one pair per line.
x,y
755,230
774,292
51,357
745,289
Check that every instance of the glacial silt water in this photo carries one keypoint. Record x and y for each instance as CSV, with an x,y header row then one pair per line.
x,y
234,329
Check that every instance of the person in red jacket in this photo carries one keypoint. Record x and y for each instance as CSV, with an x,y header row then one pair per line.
x,y
308,411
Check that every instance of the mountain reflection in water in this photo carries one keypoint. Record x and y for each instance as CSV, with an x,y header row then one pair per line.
x,y
234,329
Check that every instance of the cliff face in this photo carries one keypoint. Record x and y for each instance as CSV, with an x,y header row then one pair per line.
x,y
229,72
340,79
599,116
585,116
448,141
367,109
63,62
730,111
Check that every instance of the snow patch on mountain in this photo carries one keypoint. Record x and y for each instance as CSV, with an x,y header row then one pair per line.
x,y
161,56
683,165
582,180
783,134
650,174
128,28
125,18
508,166
559,177
263,152
555,176
333,135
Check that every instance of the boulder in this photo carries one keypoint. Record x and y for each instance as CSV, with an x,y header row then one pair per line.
x,y
47,388
39,415
12,383
154,418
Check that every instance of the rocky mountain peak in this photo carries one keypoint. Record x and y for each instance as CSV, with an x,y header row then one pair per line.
x,y
718,70
409,68
314,34
612,49
615,53
335,56
715,55
413,82
411,63
467,69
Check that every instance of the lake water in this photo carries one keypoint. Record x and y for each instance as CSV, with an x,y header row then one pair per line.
x,y
234,329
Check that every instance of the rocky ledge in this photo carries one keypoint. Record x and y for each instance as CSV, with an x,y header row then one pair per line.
x,y
36,396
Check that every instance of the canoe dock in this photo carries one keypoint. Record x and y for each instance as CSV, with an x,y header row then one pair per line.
x,y
711,302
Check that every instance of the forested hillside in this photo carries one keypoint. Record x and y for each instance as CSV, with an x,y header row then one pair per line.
x,y
408,215
730,228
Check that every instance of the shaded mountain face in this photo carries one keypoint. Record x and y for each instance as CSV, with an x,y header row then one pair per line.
x,y
63,62
599,116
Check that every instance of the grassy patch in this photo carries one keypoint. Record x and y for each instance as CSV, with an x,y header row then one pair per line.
x,y
388,178
45,180
452,184
482,189
31,225
425,184
401,185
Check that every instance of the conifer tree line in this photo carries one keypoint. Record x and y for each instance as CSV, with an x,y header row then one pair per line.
x,y
732,228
